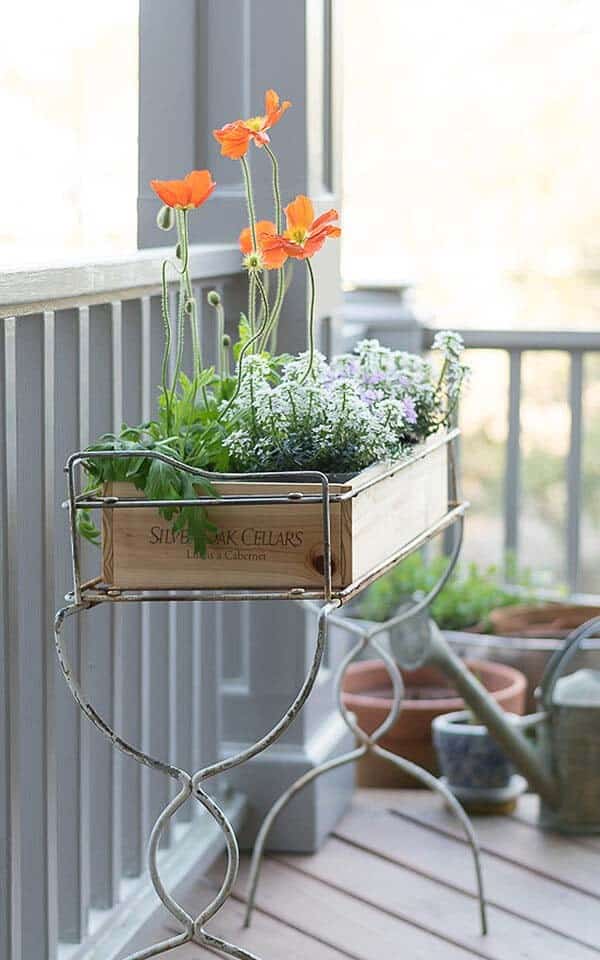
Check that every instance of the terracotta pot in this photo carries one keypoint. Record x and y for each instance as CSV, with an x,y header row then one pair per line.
x,y
546,620
367,693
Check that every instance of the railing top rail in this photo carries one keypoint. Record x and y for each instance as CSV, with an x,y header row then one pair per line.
x,y
569,340
33,291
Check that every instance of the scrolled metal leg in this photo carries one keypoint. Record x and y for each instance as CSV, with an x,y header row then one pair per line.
x,y
368,743
191,786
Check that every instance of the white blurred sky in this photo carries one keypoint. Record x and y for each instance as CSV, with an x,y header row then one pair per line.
x,y
68,110
472,148
472,154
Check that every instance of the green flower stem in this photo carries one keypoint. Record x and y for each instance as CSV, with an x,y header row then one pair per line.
x,y
247,346
189,292
276,189
166,319
266,279
288,273
252,303
249,200
182,300
311,322
220,338
275,312
281,287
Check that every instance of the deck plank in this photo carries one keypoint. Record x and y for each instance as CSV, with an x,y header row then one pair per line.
x,y
550,854
397,879
448,859
360,930
441,910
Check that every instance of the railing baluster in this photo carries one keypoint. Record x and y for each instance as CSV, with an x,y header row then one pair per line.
x,y
512,477
574,470
155,627
181,641
49,606
72,804
134,376
99,648
10,800
207,633
26,501
116,639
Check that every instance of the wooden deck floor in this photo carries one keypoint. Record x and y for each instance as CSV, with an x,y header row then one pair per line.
x,y
396,881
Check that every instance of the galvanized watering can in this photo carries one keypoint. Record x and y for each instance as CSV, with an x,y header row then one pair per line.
x,y
562,761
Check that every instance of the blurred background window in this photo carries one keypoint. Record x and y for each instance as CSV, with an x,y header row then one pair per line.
x,y
69,112
471,170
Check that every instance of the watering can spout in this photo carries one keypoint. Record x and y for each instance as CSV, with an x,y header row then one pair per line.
x,y
512,740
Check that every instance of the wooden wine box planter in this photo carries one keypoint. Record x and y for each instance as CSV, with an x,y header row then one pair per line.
x,y
280,545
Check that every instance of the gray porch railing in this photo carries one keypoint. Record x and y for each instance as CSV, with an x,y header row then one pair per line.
x,y
385,313
78,357
80,351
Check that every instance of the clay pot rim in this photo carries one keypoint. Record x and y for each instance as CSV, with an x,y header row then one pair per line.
x,y
516,686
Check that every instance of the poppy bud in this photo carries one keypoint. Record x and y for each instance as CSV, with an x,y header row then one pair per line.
x,y
165,218
213,298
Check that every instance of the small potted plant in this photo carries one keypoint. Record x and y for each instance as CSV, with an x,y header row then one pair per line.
x,y
369,428
473,765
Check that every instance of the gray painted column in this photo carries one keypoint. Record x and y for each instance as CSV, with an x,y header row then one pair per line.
x,y
294,47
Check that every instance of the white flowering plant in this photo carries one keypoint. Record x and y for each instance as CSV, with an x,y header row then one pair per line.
x,y
270,412
363,407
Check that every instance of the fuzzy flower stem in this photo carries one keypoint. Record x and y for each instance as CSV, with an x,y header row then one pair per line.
x,y
281,287
247,346
266,282
221,338
288,272
249,200
183,270
166,319
252,303
311,322
276,190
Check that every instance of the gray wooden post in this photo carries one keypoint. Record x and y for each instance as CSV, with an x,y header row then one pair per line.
x,y
212,67
385,314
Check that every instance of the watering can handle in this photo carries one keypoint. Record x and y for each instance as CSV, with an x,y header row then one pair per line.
x,y
560,659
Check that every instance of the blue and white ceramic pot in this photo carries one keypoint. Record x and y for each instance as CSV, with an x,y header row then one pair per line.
x,y
469,758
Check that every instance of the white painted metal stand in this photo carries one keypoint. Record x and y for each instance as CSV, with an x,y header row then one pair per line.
x,y
86,596
416,653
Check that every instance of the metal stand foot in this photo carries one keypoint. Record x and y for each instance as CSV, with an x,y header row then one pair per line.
x,y
368,743
191,785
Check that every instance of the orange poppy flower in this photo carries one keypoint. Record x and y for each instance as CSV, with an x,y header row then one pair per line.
x,y
184,194
305,235
235,137
265,232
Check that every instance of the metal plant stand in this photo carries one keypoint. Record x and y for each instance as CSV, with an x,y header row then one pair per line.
x,y
410,652
190,785
86,596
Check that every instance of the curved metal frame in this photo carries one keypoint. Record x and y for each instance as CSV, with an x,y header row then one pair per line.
x,y
191,786
86,596
368,743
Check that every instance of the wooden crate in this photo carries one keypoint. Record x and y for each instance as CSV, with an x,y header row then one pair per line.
x,y
279,545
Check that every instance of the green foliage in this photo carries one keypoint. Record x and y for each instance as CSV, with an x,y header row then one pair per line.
x,y
269,416
196,438
467,599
